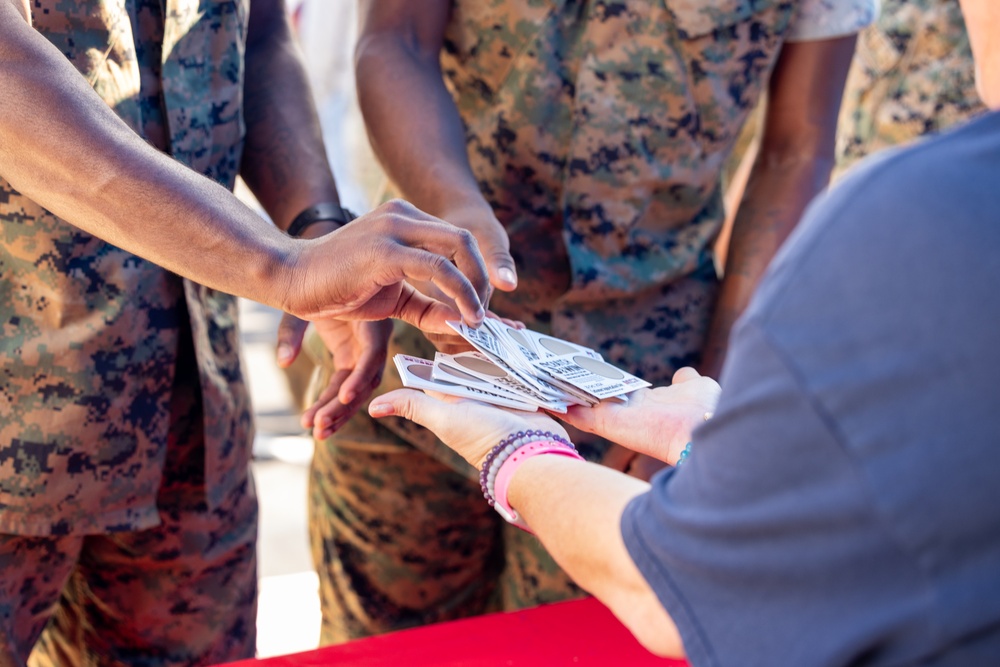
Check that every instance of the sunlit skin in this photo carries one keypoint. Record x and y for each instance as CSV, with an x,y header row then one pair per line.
x,y
574,507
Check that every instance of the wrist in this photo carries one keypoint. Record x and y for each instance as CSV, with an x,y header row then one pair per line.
x,y
471,205
327,214
504,460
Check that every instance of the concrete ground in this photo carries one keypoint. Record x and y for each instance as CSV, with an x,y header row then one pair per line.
x,y
288,617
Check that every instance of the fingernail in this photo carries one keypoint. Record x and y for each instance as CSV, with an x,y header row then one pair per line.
x,y
508,276
284,353
380,409
348,398
481,314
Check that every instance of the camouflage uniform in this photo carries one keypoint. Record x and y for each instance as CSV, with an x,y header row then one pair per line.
x,y
597,131
128,516
912,74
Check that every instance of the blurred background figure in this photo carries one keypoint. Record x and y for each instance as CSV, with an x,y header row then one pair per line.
x,y
328,31
912,74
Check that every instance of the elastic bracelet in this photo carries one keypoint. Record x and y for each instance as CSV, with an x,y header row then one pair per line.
x,y
503,450
686,452
504,460
324,212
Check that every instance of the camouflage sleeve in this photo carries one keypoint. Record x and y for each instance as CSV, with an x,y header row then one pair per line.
x,y
824,19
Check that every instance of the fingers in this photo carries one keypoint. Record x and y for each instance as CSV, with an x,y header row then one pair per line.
x,y
445,244
328,414
579,417
685,374
410,404
423,312
291,331
367,375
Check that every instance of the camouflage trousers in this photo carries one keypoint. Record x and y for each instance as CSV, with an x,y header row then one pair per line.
x,y
181,593
400,533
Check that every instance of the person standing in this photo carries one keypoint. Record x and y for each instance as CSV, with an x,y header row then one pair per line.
x,y
127,513
582,144
913,74
839,506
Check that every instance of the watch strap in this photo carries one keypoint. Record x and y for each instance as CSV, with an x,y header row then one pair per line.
x,y
323,212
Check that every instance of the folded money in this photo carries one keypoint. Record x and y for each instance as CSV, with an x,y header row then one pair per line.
x,y
520,369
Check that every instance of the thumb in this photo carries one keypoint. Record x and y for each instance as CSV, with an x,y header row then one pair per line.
x,y
685,374
410,404
291,331
495,247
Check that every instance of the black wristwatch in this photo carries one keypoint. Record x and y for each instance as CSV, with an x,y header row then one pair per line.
x,y
325,212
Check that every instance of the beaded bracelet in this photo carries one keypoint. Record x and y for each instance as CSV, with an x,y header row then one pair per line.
x,y
687,448
683,457
502,451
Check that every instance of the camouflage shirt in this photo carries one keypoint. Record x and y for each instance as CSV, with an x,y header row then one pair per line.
x,y
91,332
606,124
913,74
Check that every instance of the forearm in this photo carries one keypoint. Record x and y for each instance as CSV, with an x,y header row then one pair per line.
x,y
794,164
575,508
413,124
62,146
284,162
779,190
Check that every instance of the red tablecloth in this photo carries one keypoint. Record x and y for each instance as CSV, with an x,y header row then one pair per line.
x,y
578,633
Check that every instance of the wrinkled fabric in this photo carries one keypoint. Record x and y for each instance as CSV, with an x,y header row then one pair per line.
x,y
912,75
598,132
90,331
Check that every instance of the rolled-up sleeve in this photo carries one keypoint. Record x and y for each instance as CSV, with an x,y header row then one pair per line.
x,y
826,19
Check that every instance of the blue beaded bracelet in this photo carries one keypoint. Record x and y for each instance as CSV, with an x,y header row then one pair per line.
x,y
684,454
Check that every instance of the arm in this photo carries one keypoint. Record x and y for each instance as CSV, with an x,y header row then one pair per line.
x,y
54,129
415,127
286,167
285,162
575,508
793,165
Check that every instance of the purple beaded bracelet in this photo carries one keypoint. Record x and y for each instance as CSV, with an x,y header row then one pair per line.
x,y
505,448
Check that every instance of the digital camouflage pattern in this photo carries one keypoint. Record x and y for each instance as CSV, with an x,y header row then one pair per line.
x,y
598,132
912,74
126,509
90,332
180,593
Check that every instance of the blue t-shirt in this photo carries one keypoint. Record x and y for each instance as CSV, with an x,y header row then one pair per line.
x,y
843,506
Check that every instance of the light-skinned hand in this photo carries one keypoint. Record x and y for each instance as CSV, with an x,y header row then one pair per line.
x,y
469,427
656,422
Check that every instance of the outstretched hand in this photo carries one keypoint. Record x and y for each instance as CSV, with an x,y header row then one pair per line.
x,y
469,427
364,270
656,422
359,351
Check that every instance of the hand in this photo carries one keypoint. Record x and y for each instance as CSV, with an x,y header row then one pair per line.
x,y
469,427
657,422
493,241
359,351
363,271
